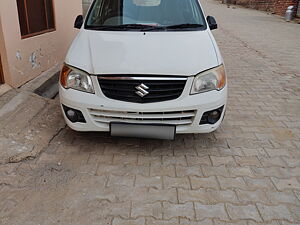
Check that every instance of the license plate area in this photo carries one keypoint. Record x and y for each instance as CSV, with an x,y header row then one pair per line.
x,y
152,131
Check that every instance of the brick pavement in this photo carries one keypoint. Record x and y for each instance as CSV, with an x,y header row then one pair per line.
x,y
247,172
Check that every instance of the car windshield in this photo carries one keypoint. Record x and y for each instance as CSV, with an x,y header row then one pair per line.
x,y
145,15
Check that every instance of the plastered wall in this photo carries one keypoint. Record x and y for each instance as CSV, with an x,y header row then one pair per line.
x,y
25,59
86,4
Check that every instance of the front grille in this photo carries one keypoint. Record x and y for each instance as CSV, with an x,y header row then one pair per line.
x,y
159,88
170,117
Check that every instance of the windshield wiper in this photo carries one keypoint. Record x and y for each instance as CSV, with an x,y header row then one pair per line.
x,y
177,26
102,28
184,26
134,26
153,28
124,27
146,27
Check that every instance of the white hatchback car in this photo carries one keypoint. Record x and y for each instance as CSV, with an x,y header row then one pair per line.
x,y
144,68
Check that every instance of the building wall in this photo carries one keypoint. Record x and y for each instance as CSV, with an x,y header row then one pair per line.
x,y
24,59
86,5
276,6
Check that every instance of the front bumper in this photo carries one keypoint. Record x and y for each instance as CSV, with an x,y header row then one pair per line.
x,y
192,106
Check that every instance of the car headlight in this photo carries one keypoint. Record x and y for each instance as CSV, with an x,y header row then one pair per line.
x,y
76,79
213,79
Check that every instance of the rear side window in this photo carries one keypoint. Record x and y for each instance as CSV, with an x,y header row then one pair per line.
x,y
152,12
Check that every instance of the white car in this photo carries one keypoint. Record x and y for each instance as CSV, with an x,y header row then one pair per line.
x,y
144,68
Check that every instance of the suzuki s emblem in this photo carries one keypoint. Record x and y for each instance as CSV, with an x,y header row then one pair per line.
x,y
142,90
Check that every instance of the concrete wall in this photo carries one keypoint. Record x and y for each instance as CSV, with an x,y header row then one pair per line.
x,y
24,59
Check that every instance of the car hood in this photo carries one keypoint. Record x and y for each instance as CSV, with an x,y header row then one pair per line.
x,y
157,53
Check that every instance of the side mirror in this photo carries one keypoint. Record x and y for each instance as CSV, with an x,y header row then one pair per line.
x,y
78,22
212,22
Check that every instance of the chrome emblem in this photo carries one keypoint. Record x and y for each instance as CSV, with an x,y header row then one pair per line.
x,y
142,90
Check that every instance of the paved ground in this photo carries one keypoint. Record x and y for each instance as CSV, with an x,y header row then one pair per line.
x,y
248,172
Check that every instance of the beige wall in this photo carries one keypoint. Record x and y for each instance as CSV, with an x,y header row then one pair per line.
x,y
47,50
86,5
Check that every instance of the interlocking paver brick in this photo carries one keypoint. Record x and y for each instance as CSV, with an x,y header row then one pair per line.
x,y
90,146
232,183
114,209
240,172
151,221
205,151
241,222
274,222
279,212
138,150
204,182
294,210
142,181
255,152
242,212
162,151
176,182
119,221
179,151
122,170
259,183
278,172
282,184
230,152
121,180
184,221
147,160
215,171
134,194
297,193
174,160
216,196
287,197
171,210
195,160
199,195
90,180
101,159
292,162
273,152
247,161
138,194
125,159
88,169
280,144
111,149
182,171
162,170
167,195
247,197
211,145
273,161
126,194
140,209
248,143
222,160
216,211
